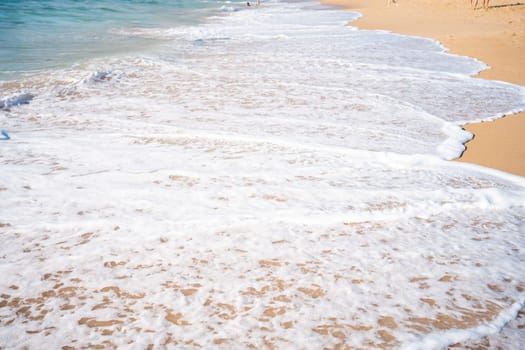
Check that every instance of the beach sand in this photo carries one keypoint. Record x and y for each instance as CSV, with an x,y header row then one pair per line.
x,y
200,239
496,37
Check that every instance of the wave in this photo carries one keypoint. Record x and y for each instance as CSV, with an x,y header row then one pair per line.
x,y
300,160
16,100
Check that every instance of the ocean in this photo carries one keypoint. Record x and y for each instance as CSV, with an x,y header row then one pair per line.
x,y
36,35
183,174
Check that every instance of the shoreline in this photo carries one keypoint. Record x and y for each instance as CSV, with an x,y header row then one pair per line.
x,y
496,37
248,185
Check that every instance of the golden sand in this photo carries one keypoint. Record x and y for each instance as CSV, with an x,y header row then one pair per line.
x,y
495,36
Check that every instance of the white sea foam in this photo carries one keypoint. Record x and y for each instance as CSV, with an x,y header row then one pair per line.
x,y
269,178
16,100
443,339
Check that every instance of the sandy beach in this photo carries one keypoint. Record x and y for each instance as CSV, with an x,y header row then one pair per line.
x,y
261,178
496,37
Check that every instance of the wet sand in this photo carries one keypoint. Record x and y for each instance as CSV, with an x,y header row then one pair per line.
x,y
496,37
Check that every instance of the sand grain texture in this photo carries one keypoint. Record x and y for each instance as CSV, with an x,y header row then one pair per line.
x,y
496,37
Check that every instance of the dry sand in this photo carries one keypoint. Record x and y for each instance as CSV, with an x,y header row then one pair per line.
x,y
495,36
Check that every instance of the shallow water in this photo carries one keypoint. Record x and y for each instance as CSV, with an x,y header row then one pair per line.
x,y
42,34
269,177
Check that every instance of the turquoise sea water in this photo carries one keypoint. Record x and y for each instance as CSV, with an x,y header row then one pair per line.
x,y
52,33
